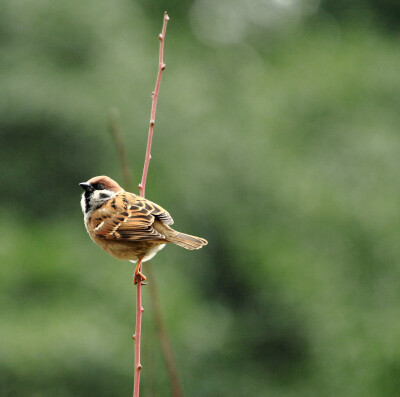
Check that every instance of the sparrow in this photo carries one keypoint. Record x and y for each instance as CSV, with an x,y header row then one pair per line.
x,y
128,226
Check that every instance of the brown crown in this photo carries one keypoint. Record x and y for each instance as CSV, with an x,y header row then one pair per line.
x,y
107,182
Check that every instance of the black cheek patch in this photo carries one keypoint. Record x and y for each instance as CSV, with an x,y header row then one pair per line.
x,y
87,201
104,195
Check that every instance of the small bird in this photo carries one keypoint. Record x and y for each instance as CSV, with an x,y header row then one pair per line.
x,y
128,226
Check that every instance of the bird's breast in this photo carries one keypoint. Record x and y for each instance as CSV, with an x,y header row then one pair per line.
x,y
131,251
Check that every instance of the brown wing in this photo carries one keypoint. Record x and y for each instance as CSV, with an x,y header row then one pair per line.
x,y
129,217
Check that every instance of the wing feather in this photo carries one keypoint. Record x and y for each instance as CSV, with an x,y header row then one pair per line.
x,y
129,217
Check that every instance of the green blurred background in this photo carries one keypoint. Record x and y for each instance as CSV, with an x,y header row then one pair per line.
x,y
277,139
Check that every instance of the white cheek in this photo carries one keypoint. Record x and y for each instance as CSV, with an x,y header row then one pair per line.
x,y
83,203
96,200
93,202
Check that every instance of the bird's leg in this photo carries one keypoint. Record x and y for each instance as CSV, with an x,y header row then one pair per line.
x,y
138,275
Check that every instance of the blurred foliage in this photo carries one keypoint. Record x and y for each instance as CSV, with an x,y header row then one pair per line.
x,y
386,13
276,139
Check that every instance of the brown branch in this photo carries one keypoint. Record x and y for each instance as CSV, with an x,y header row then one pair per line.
x,y
161,67
137,336
142,187
161,329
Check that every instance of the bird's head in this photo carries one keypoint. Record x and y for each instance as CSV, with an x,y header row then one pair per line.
x,y
98,190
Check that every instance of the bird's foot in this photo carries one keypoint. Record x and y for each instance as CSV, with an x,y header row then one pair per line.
x,y
139,277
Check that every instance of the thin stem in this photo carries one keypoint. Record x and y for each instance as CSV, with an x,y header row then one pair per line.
x,y
161,67
142,187
137,336
159,322
161,329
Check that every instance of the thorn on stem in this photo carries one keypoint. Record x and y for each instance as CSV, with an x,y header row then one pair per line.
x,y
152,122
163,66
160,36
134,336
142,309
139,367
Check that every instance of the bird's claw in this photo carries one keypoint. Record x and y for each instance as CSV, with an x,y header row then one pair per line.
x,y
139,277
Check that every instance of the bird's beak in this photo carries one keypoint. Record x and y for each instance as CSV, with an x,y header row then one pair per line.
x,y
87,187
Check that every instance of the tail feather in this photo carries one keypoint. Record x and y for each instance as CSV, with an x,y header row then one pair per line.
x,y
184,240
187,241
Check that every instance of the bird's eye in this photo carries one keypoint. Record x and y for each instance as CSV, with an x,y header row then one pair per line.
x,y
98,186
